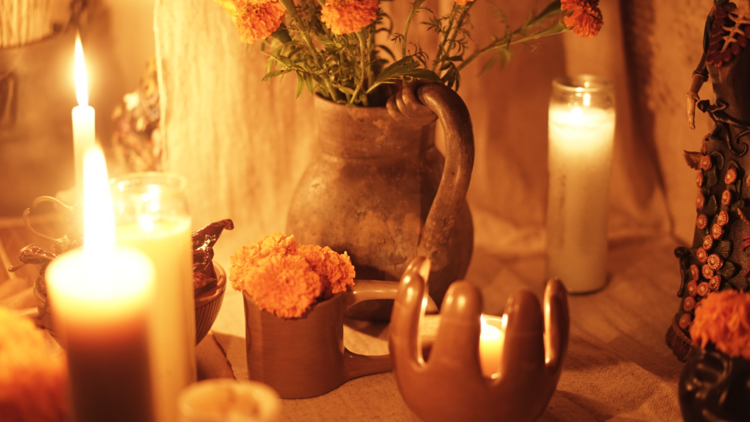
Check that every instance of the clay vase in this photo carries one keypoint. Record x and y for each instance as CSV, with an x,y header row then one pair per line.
x,y
382,192
305,357
714,387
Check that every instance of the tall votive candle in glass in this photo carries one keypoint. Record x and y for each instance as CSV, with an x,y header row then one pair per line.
x,y
151,215
581,136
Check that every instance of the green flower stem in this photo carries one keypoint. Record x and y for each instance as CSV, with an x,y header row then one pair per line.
x,y
292,10
464,12
363,49
444,38
508,40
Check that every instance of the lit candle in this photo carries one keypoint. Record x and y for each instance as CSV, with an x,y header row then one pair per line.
x,y
490,347
83,118
581,134
101,296
221,400
152,216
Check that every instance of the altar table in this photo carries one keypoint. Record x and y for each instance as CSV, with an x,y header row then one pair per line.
x,y
618,366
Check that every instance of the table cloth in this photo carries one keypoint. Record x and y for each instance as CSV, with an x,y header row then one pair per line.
x,y
618,366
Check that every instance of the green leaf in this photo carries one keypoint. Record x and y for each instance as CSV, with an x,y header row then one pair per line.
x,y
402,68
300,85
274,73
718,158
724,249
728,270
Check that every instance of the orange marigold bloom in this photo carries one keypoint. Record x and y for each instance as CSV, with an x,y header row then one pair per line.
x,y
586,19
336,271
348,16
248,256
33,382
462,2
257,21
724,320
284,285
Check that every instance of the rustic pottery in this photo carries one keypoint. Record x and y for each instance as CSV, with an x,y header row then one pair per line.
x,y
305,357
715,387
207,306
533,352
382,192
717,259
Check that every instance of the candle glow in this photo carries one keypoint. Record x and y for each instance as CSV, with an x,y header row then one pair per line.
x,y
101,296
84,137
81,77
491,341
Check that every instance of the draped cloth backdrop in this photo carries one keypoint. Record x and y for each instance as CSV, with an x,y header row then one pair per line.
x,y
243,144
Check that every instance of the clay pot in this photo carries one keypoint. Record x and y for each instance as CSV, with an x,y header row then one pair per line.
x,y
305,357
382,192
714,387
207,307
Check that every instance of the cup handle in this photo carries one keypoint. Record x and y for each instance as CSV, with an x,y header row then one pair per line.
x,y
356,365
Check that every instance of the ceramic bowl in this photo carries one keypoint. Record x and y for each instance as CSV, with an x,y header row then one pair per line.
x,y
207,306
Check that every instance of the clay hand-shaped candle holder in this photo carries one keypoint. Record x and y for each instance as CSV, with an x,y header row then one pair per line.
x,y
450,386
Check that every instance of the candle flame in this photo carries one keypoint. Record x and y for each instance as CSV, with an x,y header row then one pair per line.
x,y
98,213
82,89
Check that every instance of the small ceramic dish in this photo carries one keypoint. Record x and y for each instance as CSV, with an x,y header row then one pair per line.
x,y
207,306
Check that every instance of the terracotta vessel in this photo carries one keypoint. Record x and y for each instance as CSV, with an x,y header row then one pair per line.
x,y
381,191
450,386
714,387
207,307
305,357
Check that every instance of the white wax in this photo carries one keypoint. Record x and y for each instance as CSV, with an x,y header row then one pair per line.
x,y
104,323
169,245
580,155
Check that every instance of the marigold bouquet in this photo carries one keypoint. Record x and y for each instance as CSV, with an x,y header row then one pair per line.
x,y
330,45
723,320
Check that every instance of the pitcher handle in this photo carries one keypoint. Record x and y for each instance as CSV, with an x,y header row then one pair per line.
x,y
356,365
459,162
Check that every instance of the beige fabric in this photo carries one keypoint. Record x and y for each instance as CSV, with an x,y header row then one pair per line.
x,y
243,145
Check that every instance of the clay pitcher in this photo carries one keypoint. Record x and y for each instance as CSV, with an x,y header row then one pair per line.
x,y
382,192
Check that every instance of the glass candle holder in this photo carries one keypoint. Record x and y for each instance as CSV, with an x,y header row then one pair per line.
x,y
151,215
581,135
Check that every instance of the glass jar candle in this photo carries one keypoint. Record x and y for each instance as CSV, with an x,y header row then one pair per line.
x,y
581,135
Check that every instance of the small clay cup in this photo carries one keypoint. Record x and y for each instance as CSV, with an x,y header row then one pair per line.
x,y
305,357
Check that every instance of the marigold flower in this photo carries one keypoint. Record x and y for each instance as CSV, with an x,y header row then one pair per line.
x,y
694,271
706,163
348,16
462,2
715,262
692,288
586,19
688,304
257,21
700,201
284,285
707,272
699,179
723,218
336,271
703,288
714,283
724,320
248,256
33,382
708,242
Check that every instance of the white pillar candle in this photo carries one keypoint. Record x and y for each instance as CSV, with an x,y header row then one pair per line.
x,y
84,136
491,341
101,296
581,135
151,214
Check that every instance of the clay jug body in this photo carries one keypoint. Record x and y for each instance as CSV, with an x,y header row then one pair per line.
x,y
373,188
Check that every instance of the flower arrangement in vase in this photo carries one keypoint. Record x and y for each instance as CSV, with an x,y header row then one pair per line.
x,y
379,190
332,48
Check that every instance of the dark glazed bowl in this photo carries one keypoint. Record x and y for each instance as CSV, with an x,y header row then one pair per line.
x,y
715,387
